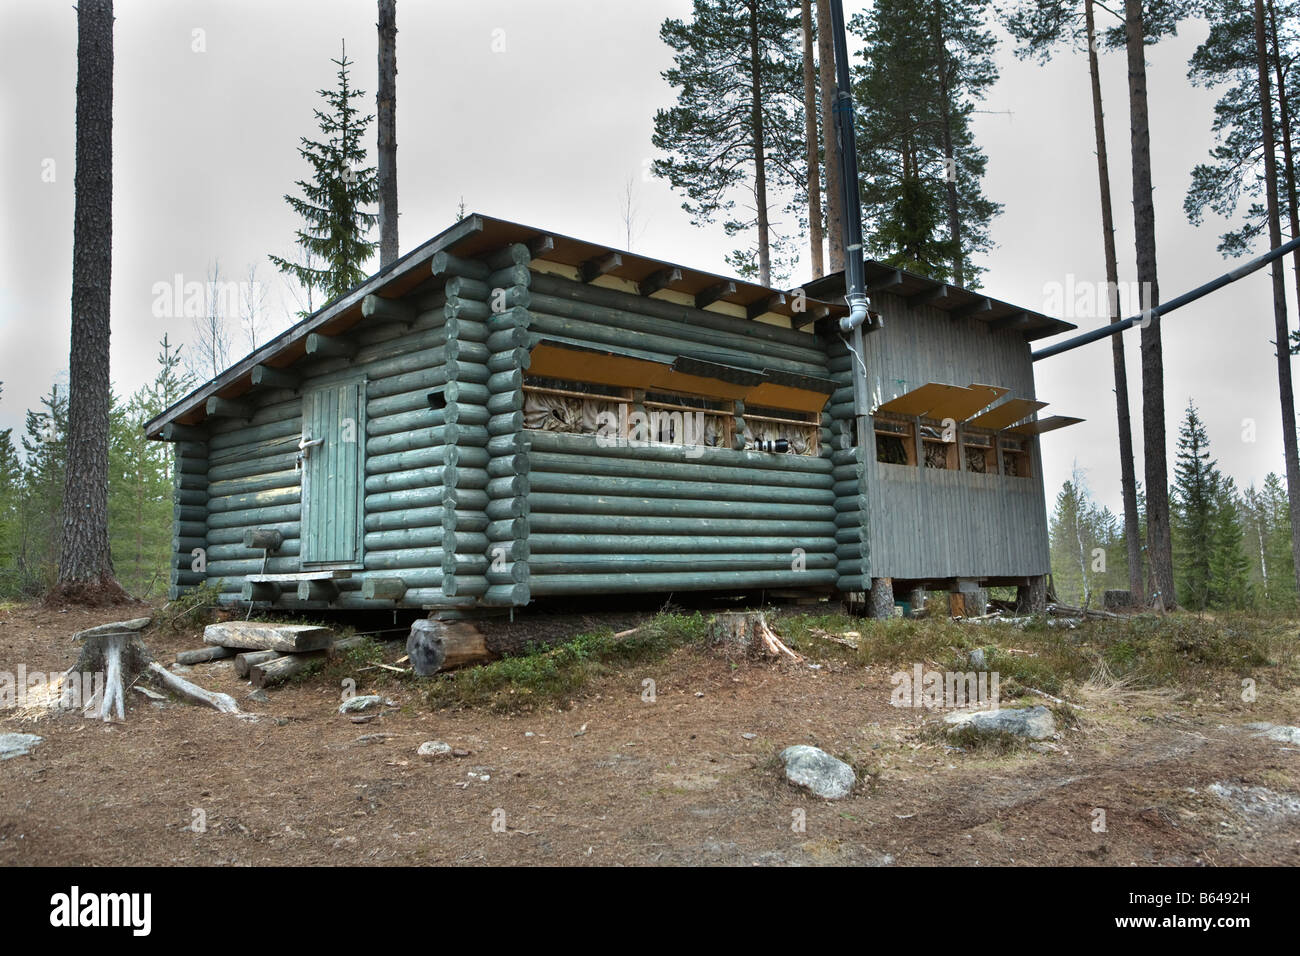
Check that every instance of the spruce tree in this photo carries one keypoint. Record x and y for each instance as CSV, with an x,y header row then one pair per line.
x,y
1193,503
1229,566
333,203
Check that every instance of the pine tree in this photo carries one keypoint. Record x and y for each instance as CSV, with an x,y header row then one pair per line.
x,y
1041,25
1192,511
85,561
925,66
333,204
737,125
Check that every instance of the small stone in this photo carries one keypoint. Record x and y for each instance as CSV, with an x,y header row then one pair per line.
x,y
362,702
818,771
979,660
259,696
372,738
433,749
749,736
17,745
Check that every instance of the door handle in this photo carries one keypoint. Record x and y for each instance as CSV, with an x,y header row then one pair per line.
x,y
305,444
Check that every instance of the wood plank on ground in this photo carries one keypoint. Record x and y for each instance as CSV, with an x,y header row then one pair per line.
x,y
250,635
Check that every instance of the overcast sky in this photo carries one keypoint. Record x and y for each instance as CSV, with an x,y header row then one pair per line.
x,y
540,111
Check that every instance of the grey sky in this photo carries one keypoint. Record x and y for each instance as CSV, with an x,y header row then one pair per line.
x,y
546,129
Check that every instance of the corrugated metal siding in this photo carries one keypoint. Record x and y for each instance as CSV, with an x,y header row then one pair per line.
x,y
930,523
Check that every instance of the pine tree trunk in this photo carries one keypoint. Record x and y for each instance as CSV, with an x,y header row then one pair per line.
x,y
1288,155
86,562
1128,476
810,133
386,102
760,171
950,161
834,188
1159,545
1285,390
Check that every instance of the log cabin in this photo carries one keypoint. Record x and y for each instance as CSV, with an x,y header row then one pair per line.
x,y
506,414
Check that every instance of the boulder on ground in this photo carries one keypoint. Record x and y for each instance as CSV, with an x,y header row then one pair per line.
x,y
813,768
1031,723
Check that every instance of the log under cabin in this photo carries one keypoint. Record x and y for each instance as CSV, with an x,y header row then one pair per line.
x,y
507,414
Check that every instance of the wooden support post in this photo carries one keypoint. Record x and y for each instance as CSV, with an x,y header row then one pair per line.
x,y
1032,598
880,601
916,598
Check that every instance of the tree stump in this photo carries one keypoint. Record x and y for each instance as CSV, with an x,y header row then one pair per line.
x,y
116,651
1032,598
746,634
880,600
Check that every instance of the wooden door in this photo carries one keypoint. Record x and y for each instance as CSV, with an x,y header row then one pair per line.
x,y
333,475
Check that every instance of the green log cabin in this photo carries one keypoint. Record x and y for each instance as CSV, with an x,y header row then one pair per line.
x,y
506,414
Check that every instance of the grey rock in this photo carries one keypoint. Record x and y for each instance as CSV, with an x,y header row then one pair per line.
x,y
259,696
1282,733
1032,723
354,705
817,770
17,745
424,646
979,660
432,749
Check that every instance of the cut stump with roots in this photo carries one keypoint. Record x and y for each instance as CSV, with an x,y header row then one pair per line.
x,y
118,651
747,634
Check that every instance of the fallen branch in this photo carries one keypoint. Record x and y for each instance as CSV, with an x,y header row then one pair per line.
x,y
179,685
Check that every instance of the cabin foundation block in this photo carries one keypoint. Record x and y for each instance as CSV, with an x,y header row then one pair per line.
x,y
880,599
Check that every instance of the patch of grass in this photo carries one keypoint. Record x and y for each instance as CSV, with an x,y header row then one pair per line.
x,y
1179,650
195,608
551,675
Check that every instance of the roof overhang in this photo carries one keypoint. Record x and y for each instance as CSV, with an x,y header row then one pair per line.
x,y
958,303
478,235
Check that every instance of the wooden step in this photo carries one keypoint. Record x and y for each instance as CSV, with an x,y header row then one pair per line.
x,y
252,636
293,577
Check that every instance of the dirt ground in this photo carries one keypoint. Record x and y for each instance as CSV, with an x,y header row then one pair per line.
x,y
615,779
